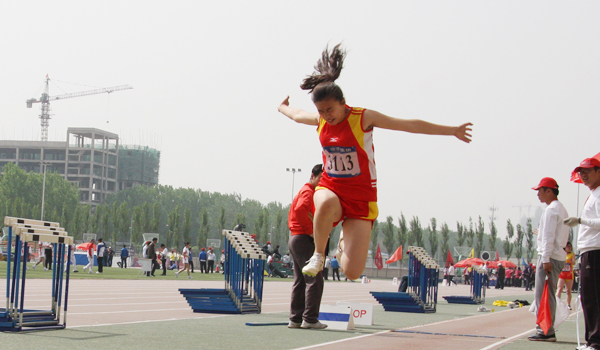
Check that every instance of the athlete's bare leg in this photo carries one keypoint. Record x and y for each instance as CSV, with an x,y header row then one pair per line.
x,y
327,211
357,238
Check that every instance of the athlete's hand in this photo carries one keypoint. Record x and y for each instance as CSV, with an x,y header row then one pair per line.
x,y
462,132
571,222
285,102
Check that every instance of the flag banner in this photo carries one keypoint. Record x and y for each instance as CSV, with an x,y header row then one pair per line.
x,y
449,259
472,255
378,259
544,317
396,256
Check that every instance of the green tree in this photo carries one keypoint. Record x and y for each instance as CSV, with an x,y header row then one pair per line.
x,y
445,248
461,234
433,237
518,244
146,218
470,234
156,214
122,229
480,245
416,232
222,220
138,224
204,227
530,241
173,232
402,232
187,225
388,235
493,235
374,237
507,244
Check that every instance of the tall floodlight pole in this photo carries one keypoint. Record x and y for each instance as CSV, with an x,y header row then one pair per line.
x,y
43,190
293,171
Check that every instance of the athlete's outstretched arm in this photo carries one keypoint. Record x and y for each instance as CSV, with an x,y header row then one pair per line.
x,y
298,115
375,119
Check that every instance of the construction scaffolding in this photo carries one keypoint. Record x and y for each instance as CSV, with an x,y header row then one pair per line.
x,y
138,165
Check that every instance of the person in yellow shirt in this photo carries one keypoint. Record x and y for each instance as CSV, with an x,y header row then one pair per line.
x,y
566,276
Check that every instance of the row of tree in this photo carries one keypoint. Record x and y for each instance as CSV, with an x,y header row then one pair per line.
x,y
439,243
190,215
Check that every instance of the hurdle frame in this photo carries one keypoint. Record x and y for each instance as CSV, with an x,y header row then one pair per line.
x,y
15,317
244,279
477,290
423,275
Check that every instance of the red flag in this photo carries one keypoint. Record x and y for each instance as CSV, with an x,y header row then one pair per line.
x,y
378,261
544,317
449,259
497,256
396,256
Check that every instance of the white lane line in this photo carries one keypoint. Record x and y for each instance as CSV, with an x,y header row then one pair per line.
x,y
145,321
491,346
339,341
125,312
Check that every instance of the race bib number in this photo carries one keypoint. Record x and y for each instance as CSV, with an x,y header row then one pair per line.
x,y
341,161
567,268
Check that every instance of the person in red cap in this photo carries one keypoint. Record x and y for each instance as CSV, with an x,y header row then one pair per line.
x,y
203,257
551,241
588,243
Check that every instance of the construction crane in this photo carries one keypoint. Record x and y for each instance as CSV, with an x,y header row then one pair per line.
x,y
46,98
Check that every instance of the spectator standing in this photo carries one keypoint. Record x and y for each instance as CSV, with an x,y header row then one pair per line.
x,y
48,256
552,238
508,279
191,260
124,256
111,254
335,268
527,274
203,257
163,258
222,261
101,251
270,265
588,242
211,257
326,268
500,277
153,256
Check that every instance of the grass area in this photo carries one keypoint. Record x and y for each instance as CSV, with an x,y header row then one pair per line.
x,y
123,274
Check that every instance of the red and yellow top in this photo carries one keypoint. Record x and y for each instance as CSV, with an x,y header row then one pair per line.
x,y
348,158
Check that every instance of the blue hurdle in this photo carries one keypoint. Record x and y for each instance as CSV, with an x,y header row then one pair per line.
x,y
421,297
477,294
15,317
244,275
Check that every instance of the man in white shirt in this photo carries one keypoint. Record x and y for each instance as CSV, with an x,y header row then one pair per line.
x,y
451,272
551,241
326,268
588,243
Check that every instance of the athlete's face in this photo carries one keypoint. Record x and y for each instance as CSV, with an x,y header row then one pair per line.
x,y
332,110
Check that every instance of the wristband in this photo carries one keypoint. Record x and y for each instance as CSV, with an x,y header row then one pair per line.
x,y
579,220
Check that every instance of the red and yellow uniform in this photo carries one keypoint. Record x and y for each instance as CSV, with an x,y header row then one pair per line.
x,y
349,165
567,272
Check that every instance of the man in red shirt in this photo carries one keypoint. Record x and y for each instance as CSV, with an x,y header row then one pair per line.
x,y
307,290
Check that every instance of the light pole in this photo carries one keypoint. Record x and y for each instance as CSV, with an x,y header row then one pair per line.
x,y
43,189
293,171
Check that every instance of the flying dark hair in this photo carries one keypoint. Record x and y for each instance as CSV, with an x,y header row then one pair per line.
x,y
322,82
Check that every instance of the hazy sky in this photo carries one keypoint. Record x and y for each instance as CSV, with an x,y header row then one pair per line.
x,y
208,77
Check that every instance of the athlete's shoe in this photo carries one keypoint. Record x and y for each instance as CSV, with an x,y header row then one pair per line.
x,y
293,324
316,325
314,265
541,337
340,250
34,267
189,277
90,271
177,274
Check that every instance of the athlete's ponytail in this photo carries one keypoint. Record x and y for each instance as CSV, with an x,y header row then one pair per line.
x,y
322,82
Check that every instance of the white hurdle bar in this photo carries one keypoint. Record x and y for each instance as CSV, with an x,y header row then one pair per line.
x,y
27,231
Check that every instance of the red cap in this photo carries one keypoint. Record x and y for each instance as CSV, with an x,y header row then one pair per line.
x,y
203,249
587,163
223,251
268,242
546,182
